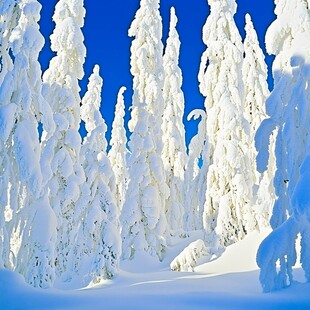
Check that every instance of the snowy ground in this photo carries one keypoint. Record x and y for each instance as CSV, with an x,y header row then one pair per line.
x,y
230,282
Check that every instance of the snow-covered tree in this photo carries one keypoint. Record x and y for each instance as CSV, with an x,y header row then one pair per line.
x,y
196,174
32,224
9,16
174,150
118,152
97,248
62,149
254,73
147,65
146,201
143,220
228,182
289,113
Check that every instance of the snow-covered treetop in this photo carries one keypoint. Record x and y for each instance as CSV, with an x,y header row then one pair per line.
x,y
27,42
223,41
254,72
251,44
94,96
118,133
70,8
196,144
90,113
27,30
67,41
173,23
289,33
171,57
146,59
173,127
140,23
225,5
221,17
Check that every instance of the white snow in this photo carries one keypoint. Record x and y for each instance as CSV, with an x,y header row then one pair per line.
x,y
230,282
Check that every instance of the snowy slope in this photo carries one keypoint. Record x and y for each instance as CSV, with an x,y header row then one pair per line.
x,y
230,282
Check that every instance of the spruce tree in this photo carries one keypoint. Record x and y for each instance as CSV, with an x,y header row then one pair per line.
x,y
147,212
9,16
61,150
96,252
254,74
143,220
174,151
288,114
31,244
228,181
118,152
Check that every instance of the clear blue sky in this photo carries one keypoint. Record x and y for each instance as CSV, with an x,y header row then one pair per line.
x,y
107,43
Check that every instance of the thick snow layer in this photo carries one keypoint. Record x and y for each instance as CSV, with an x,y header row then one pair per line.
x,y
230,282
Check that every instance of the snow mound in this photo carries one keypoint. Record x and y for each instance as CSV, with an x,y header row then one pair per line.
x,y
188,258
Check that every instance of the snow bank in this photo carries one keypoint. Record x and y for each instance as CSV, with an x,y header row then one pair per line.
x,y
227,283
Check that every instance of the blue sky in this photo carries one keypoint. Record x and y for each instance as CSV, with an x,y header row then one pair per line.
x,y
107,43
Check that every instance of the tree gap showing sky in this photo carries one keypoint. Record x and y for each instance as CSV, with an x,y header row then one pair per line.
x,y
105,31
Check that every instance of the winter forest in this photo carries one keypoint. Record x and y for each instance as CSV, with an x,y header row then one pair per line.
x,y
74,207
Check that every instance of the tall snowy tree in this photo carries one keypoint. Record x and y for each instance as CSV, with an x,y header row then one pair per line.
x,y
62,149
174,150
196,174
118,152
147,64
97,249
147,71
9,16
289,113
254,73
228,182
31,244
143,220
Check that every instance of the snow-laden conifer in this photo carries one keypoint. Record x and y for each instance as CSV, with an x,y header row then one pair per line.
x,y
118,152
228,182
32,224
288,111
97,249
174,150
196,174
147,64
61,150
147,205
254,74
143,220
9,16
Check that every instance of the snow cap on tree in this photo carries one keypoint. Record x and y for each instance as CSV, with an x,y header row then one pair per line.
x,y
91,101
67,42
146,59
118,152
